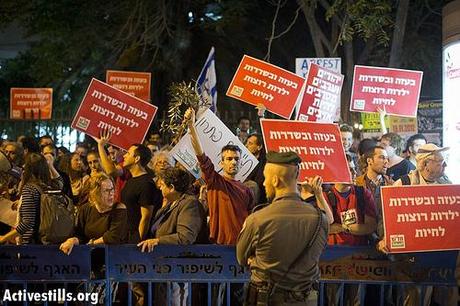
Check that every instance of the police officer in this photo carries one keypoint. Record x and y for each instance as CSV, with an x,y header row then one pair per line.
x,y
282,242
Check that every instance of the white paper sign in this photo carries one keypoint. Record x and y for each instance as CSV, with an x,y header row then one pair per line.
x,y
213,135
302,64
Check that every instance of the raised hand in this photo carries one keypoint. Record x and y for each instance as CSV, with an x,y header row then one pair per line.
x,y
104,137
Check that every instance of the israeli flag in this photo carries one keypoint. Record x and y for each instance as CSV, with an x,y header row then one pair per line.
x,y
207,82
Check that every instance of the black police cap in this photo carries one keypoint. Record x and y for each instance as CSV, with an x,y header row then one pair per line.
x,y
289,158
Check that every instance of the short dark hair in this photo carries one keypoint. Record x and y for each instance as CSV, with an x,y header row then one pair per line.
x,y
230,147
82,145
365,145
410,140
371,152
144,153
260,140
63,150
243,118
177,177
346,128
31,144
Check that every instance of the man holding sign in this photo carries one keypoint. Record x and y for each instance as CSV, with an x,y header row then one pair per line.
x,y
229,200
430,171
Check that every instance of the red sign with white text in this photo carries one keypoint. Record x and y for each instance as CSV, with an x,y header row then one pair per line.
x,y
421,218
257,82
318,144
134,83
105,107
395,89
31,103
321,98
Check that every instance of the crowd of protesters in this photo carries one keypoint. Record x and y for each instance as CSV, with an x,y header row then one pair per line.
x,y
141,196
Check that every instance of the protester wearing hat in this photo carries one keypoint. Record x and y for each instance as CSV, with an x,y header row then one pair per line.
x,y
282,242
431,164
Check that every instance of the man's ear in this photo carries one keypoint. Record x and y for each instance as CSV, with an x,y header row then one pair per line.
x,y
137,159
275,180
367,160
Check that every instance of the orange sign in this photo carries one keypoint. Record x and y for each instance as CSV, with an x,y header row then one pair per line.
x,y
257,82
31,103
134,83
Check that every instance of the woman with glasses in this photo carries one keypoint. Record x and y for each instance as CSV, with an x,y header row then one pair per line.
x,y
100,220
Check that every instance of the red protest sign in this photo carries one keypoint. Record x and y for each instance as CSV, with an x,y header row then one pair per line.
x,y
31,103
318,144
105,107
321,97
396,89
257,82
421,218
134,83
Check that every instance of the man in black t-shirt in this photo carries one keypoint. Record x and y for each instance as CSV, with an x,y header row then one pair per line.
x,y
140,195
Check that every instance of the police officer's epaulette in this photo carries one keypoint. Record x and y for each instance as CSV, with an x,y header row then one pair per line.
x,y
259,207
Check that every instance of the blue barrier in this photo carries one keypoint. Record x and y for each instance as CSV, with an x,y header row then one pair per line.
x,y
207,264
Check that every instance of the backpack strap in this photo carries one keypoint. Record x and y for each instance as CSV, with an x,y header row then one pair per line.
x,y
359,191
331,199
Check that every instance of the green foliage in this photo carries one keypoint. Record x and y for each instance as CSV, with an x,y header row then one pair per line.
x,y
363,18
182,96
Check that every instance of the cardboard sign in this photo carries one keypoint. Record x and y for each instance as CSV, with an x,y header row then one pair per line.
x,y
331,63
213,135
396,89
105,107
321,97
257,82
421,218
134,83
31,103
318,144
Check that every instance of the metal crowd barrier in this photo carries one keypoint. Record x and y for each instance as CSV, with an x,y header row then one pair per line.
x,y
211,273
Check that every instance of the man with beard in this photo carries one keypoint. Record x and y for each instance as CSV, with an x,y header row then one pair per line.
x,y
229,201
377,165
278,276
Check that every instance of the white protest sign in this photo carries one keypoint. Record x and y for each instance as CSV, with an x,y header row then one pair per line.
x,y
331,63
213,135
